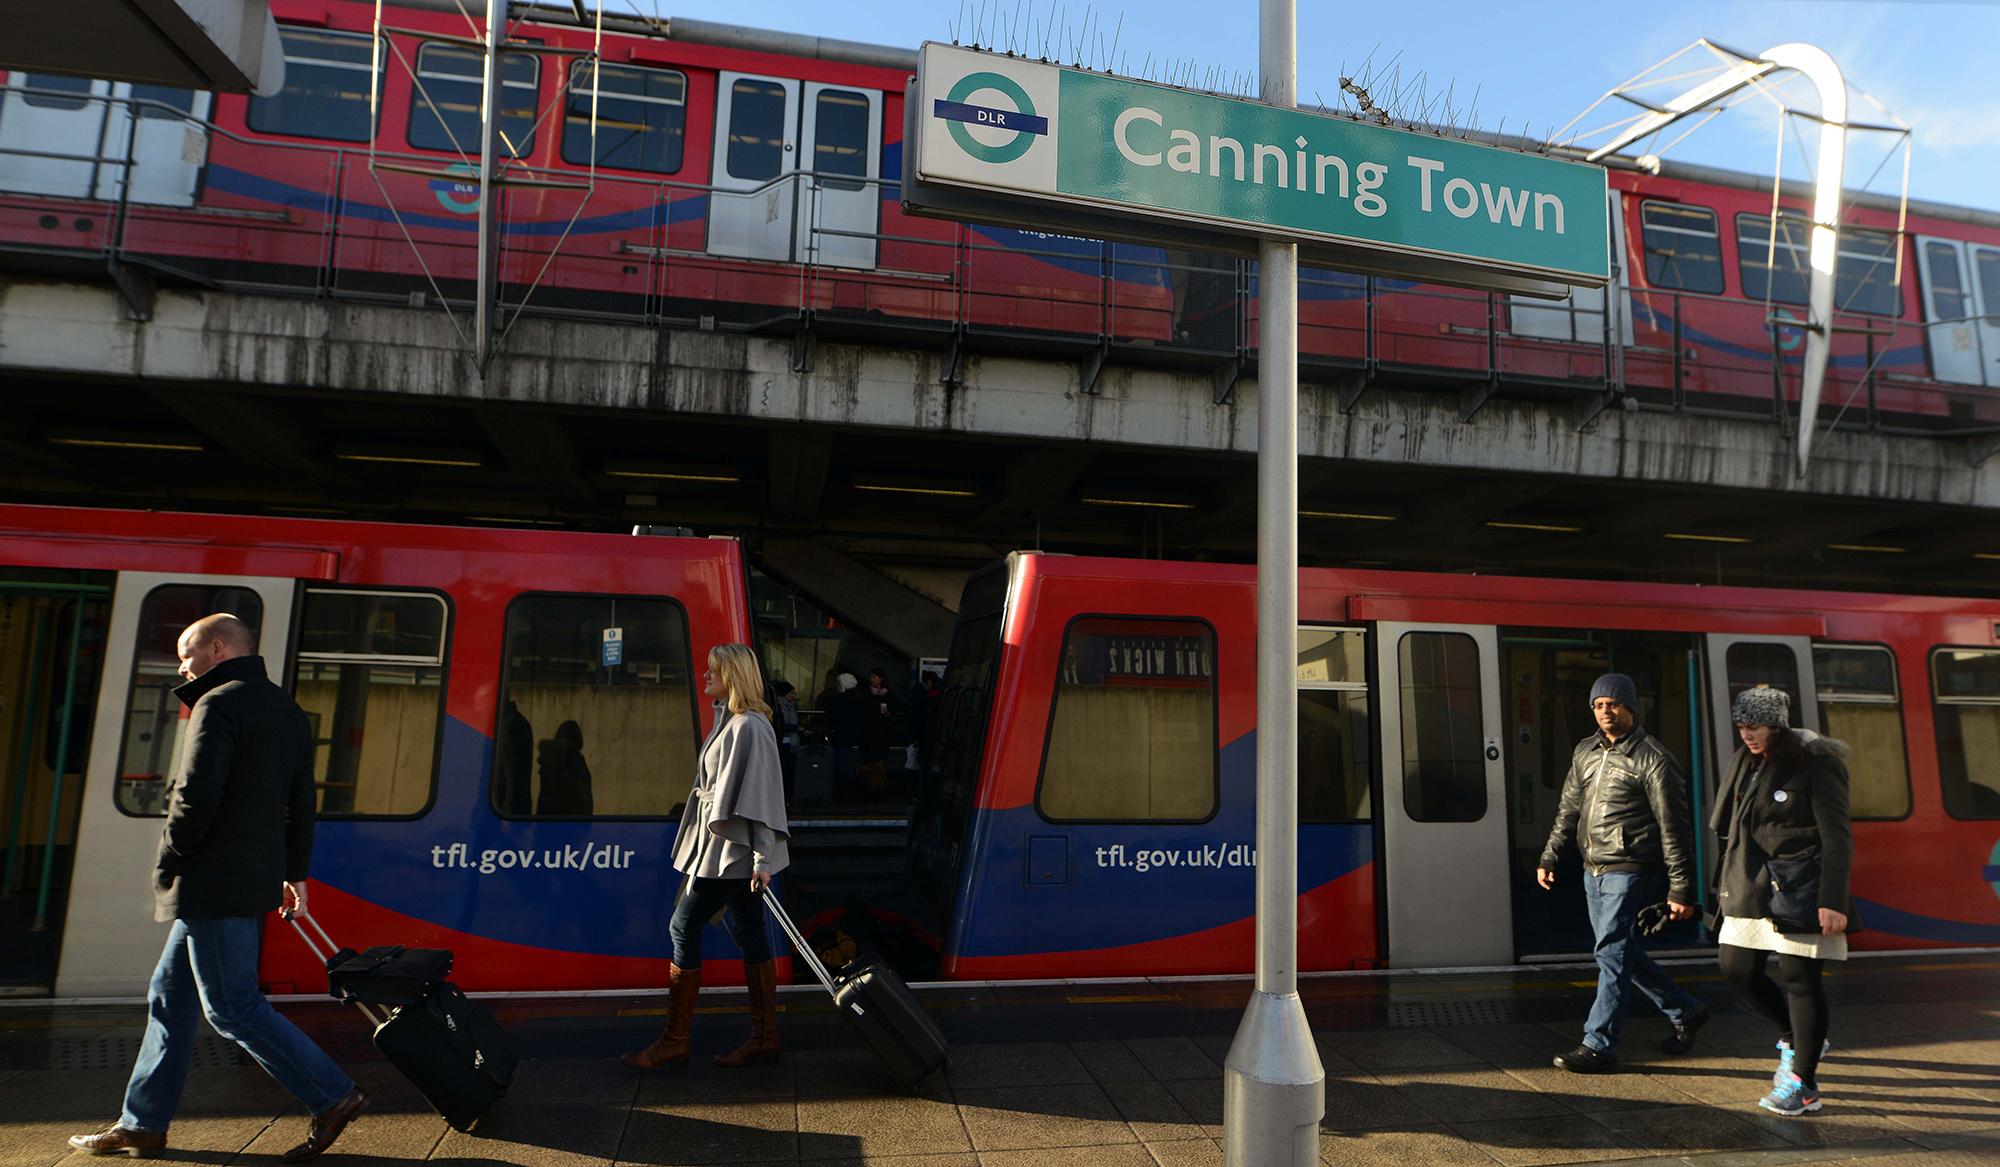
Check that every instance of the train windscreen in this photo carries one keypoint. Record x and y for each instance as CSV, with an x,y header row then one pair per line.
x,y
942,816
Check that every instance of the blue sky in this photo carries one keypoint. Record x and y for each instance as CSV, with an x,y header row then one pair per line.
x,y
1933,63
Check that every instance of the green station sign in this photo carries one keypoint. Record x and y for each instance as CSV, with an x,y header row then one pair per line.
x,y
1387,200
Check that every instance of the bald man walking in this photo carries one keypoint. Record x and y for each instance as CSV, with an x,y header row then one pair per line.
x,y
237,843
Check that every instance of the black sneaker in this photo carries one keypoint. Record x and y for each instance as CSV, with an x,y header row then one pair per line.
x,y
1681,1040
1585,1060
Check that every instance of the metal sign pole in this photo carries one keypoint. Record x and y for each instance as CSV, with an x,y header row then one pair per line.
x,y
489,131
1273,1087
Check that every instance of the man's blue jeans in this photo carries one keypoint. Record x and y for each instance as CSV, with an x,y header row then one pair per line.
x,y
1614,899
209,967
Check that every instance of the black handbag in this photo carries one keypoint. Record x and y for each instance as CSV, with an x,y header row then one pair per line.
x,y
1794,894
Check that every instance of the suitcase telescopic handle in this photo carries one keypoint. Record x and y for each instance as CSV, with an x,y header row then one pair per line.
x,y
293,916
799,942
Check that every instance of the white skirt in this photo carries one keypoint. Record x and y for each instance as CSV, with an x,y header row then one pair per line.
x,y
1739,932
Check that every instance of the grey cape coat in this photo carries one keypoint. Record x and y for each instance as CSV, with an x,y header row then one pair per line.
x,y
735,819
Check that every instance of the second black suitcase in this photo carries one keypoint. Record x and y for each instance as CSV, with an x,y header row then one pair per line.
x,y
881,1008
452,1050
812,781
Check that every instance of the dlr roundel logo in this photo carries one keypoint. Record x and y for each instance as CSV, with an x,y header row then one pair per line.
x,y
1026,125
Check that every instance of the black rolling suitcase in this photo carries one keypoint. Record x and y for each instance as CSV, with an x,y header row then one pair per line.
x,y
881,1007
448,1046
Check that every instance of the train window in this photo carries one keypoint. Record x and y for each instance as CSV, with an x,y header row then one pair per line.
x,y
1858,705
326,87
641,117
1986,266
1773,271
840,137
1864,275
153,722
162,102
1948,292
756,129
371,679
1132,731
1683,247
451,79
1966,682
580,738
1335,770
56,89
1444,775
1750,663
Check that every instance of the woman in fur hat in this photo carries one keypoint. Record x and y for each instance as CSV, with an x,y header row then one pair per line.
x,y
734,836
1782,818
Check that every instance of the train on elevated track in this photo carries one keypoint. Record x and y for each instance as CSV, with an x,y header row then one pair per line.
x,y
1088,807
724,177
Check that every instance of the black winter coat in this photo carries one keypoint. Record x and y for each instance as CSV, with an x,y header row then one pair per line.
x,y
1624,804
1776,811
240,812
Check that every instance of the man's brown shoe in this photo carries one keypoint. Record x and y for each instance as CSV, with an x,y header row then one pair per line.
x,y
118,1140
327,1125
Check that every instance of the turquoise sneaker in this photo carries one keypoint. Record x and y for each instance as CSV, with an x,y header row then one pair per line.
x,y
1791,1097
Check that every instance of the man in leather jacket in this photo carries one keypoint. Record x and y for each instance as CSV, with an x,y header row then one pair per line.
x,y
1624,806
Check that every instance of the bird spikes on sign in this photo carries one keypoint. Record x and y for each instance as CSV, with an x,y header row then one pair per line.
x,y
1379,94
1019,31
1049,31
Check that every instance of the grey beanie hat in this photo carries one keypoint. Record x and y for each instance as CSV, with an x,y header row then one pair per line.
x,y
1619,688
1762,705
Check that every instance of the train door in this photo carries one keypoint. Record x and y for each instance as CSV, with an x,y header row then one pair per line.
x,y
1736,663
1961,287
841,143
1444,803
753,213
1549,673
52,114
51,640
169,144
110,941
47,113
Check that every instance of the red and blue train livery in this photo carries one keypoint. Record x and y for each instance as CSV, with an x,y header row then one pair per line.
x,y
494,781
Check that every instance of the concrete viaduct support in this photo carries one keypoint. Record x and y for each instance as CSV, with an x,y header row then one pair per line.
x,y
247,342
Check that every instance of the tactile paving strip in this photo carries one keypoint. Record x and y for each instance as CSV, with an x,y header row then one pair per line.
x,y
105,1053
1440,1014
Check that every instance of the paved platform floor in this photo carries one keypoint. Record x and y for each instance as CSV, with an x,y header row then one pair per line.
x,y
1447,1070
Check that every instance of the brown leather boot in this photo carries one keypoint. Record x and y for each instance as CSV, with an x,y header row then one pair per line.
x,y
763,1043
671,1047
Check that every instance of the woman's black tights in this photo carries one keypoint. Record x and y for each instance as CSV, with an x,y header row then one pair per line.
x,y
1799,1009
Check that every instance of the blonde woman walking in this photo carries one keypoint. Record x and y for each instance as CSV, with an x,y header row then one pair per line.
x,y
733,838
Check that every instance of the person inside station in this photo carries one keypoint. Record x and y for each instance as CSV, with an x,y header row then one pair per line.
x,y
734,836
785,719
513,747
847,724
565,775
1624,809
882,709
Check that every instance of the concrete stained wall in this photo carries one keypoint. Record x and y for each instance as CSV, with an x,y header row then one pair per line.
x,y
247,341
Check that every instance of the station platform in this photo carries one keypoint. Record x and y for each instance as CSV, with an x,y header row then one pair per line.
x,y
1450,1069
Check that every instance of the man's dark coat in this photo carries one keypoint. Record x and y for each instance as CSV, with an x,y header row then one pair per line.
x,y
240,811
